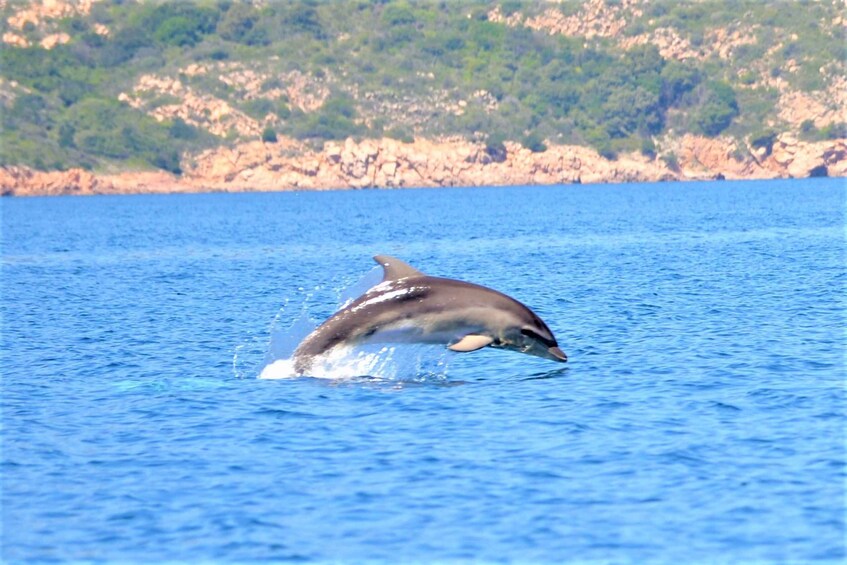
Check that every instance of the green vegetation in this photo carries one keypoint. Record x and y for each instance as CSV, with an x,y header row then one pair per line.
x,y
389,65
269,135
810,132
763,140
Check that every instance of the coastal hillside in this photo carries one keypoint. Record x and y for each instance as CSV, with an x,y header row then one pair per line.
x,y
299,91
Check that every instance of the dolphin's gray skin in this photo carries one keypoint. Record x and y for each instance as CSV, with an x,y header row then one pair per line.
x,y
409,306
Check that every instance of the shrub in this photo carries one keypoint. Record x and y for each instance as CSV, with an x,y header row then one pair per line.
x,y
400,133
607,151
258,108
238,22
671,160
323,126
648,147
168,160
495,147
181,130
269,135
534,142
600,140
717,111
748,78
678,79
178,31
340,104
509,7
219,54
397,14
834,131
763,140
303,18
629,111
107,129
31,108
713,118
123,45
808,127
66,135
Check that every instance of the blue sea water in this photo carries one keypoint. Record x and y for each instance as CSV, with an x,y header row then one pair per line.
x,y
700,418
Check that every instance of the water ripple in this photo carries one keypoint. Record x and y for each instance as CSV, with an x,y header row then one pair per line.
x,y
700,418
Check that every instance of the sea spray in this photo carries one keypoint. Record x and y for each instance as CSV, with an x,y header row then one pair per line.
x,y
401,362
269,357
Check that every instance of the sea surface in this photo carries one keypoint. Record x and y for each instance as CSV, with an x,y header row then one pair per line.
x,y
700,417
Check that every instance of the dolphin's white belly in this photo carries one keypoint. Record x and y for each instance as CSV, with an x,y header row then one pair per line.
x,y
416,333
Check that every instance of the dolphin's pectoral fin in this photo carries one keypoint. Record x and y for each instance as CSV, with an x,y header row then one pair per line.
x,y
394,268
471,342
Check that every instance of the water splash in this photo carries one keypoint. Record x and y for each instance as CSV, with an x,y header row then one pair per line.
x,y
279,341
269,356
349,293
285,339
402,362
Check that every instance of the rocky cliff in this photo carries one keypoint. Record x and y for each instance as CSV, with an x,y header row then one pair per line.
x,y
387,163
727,90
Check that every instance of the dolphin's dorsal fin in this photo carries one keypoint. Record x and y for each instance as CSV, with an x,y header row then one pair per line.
x,y
471,342
394,268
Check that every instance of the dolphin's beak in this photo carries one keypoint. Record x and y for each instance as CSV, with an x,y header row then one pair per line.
x,y
558,354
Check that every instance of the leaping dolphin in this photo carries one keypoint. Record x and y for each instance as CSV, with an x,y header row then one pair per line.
x,y
411,307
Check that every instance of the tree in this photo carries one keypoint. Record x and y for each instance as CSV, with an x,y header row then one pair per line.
x,y
303,16
678,79
717,110
181,130
629,112
178,31
238,22
397,14
66,135
31,108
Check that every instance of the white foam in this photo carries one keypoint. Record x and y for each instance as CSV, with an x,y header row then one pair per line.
x,y
390,363
279,369
338,364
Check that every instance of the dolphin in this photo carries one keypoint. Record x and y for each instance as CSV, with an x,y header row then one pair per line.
x,y
411,307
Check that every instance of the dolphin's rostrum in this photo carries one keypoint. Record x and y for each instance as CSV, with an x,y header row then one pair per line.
x,y
411,307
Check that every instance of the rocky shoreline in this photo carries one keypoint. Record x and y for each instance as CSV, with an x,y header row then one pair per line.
x,y
387,163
